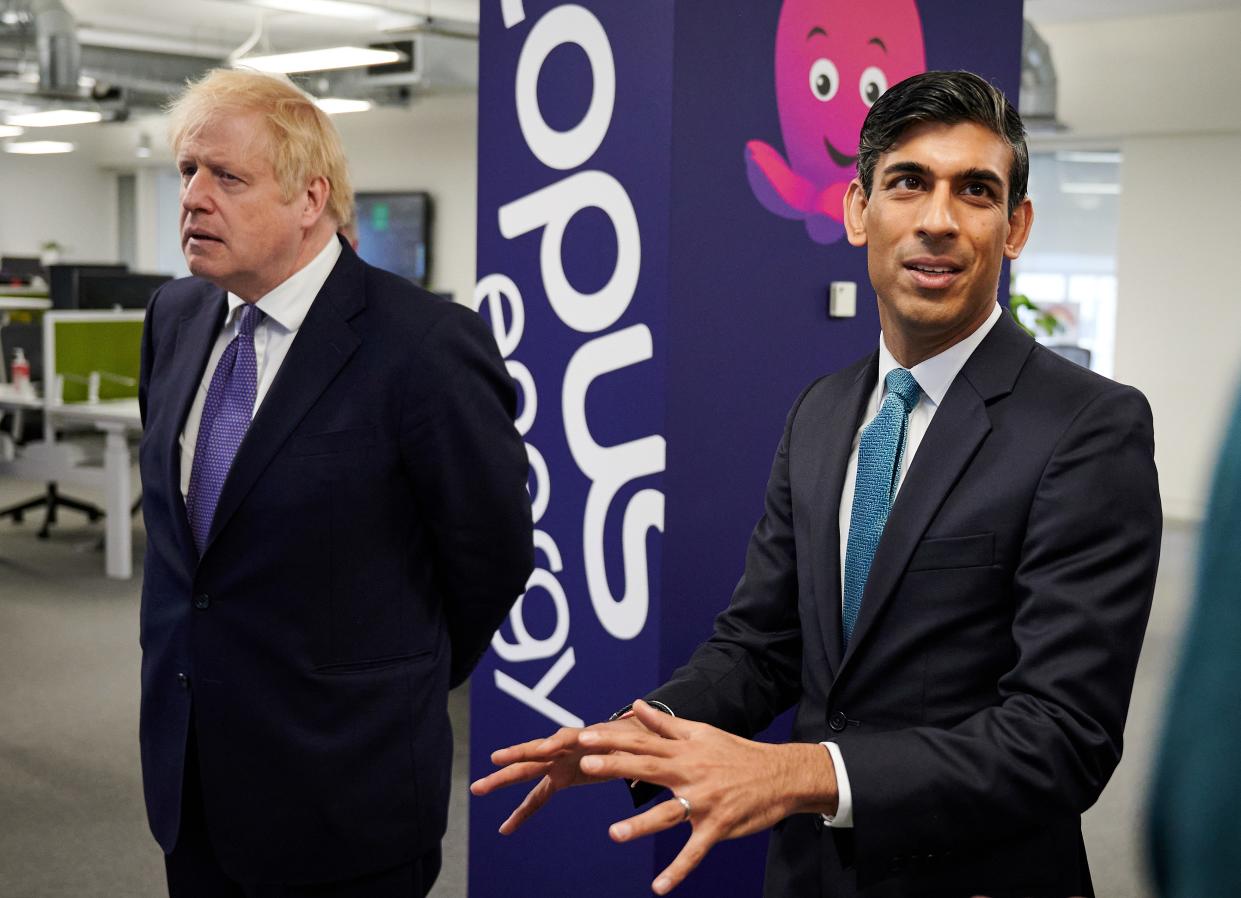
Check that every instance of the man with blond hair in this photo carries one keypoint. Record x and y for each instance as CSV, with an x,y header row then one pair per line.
x,y
337,518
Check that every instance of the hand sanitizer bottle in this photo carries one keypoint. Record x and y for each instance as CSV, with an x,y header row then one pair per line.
x,y
20,372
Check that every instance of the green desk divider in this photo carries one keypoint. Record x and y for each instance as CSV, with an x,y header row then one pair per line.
x,y
110,343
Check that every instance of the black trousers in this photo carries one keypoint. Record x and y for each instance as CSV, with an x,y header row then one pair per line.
x,y
194,872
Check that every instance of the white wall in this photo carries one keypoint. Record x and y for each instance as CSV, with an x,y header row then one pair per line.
x,y
1164,89
60,198
430,146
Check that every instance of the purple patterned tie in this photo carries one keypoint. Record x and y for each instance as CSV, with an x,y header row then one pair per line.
x,y
226,417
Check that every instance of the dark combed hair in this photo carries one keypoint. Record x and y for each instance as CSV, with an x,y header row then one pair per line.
x,y
948,98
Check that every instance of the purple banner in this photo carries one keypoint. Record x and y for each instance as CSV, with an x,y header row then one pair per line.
x,y
656,190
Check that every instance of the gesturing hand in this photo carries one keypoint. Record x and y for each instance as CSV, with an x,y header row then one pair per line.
x,y
733,786
555,761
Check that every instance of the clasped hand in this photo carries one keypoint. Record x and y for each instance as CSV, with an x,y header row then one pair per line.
x,y
734,786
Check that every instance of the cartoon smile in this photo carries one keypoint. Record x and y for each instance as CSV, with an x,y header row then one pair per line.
x,y
838,157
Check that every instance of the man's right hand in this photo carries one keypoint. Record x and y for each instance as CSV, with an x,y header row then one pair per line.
x,y
556,761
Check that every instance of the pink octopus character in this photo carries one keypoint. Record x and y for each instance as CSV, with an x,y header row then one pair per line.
x,y
833,60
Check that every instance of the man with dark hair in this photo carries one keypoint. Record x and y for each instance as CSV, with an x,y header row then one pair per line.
x,y
950,580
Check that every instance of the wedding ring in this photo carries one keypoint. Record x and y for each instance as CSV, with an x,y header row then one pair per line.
x,y
684,804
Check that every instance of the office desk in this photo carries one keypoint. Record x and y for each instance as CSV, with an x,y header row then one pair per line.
x,y
10,303
13,401
116,418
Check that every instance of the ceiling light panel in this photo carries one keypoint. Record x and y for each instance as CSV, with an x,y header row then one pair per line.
x,y
51,118
39,147
338,105
320,60
336,9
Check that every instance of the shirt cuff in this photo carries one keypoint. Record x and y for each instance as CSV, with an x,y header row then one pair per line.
x,y
843,818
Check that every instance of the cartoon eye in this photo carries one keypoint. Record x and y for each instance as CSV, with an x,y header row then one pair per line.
x,y
824,79
872,85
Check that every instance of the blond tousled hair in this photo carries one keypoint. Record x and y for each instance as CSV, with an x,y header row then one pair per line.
x,y
304,142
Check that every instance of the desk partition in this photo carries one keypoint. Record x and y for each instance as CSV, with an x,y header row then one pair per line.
x,y
79,347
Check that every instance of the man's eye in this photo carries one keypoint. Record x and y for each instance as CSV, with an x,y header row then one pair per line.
x,y
909,182
979,190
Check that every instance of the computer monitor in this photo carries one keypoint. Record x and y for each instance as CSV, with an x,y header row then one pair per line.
x,y
62,280
20,268
126,290
394,232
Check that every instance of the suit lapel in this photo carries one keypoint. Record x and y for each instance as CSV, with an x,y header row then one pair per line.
x,y
833,462
323,345
960,425
196,334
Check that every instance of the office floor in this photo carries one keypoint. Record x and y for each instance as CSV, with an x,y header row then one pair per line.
x,y
71,815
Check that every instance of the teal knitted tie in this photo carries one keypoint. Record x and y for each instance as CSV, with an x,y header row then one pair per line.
x,y
880,453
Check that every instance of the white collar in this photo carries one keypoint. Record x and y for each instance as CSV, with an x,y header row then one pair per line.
x,y
289,302
936,374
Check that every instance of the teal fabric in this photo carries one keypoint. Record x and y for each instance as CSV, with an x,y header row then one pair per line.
x,y
881,450
1195,799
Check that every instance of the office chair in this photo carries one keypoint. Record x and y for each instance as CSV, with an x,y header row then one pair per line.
x,y
30,338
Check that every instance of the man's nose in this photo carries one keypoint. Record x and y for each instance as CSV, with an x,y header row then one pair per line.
x,y
195,192
938,213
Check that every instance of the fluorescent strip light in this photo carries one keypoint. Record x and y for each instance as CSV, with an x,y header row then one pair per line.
x,y
11,131
53,117
337,9
39,147
338,105
1088,187
1109,158
319,60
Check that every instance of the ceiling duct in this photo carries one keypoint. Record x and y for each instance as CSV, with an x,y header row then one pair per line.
x,y
436,63
56,37
1038,97
123,73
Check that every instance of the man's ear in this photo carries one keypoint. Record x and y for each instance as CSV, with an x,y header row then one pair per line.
x,y
1019,224
315,200
855,204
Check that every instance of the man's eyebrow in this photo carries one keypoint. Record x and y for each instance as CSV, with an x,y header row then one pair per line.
x,y
907,168
879,43
981,174
816,30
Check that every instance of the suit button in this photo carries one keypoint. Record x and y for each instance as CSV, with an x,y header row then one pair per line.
x,y
202,601
183,681
838,722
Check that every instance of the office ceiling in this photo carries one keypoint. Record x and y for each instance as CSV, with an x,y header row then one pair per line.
x,y
142,51
213,27
216,24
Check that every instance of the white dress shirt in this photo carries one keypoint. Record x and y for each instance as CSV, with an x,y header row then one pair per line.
x,y
284,309
934,376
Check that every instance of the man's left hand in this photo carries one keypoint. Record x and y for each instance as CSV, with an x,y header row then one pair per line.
x,y
733,786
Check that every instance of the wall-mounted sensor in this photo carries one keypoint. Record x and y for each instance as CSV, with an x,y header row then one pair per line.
x,y
842,299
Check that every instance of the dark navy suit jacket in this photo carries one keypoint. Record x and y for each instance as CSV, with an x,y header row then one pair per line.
x,y
981,701
371,535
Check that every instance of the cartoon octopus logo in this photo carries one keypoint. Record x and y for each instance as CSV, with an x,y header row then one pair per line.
x,y
833,60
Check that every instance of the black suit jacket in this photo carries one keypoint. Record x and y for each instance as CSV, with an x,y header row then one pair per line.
x,y
980,704
372,533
